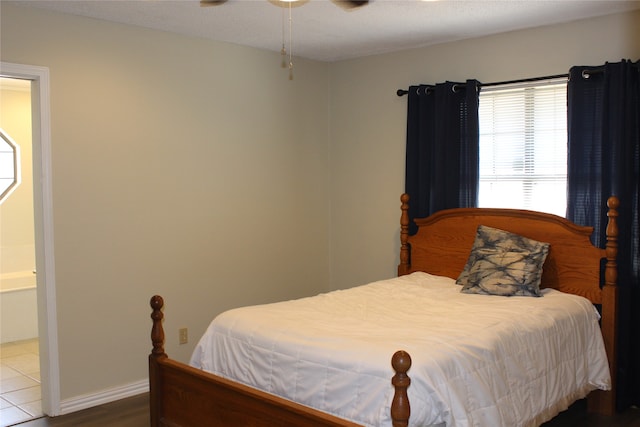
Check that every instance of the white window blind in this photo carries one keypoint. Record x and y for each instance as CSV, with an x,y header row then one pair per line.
x,y
523,146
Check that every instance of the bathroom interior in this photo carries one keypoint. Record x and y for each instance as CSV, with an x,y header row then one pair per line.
x,y
20,392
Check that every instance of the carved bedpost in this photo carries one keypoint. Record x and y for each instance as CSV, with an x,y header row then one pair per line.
x,y
610,302
611,269
403,268
157,332
400,410
605,402
157,353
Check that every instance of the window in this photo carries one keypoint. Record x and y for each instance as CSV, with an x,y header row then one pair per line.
x,y
523,146
9,166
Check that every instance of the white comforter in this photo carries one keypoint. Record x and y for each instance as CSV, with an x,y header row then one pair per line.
x,y
478,360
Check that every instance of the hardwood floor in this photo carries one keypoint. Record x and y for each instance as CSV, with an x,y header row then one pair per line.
x,y
130,412
134,412
576,416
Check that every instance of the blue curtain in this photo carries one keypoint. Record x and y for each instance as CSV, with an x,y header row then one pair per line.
x,y
603,160
442,148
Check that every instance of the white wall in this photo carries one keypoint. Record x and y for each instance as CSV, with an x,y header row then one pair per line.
x,y
368,122
177,170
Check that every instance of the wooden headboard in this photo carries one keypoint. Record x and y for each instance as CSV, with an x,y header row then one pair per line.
x,y
444,240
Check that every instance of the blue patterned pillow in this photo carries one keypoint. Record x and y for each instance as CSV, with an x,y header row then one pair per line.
x,y
503,263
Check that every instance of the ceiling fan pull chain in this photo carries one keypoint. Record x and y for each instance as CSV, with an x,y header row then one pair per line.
x,y
290,45
283,51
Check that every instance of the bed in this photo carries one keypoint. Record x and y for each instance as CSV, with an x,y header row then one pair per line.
x,y
462,388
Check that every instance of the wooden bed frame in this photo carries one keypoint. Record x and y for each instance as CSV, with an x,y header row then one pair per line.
x,y
181,395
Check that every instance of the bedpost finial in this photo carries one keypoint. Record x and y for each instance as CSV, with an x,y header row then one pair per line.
x,y
404,198
400,408
157,332
401,362
613,202
156,302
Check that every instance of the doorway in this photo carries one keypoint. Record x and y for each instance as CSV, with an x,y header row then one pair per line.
x,y
20,393
37,78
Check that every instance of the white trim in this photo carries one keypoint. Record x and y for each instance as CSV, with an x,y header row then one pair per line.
x,y
106,396
43,214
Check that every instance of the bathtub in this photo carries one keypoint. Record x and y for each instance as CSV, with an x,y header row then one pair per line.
x,y
18,306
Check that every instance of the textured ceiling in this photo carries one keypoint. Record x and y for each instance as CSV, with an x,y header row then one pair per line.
x,y
326,32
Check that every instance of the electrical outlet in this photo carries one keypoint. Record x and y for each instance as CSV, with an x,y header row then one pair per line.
x,y
184,335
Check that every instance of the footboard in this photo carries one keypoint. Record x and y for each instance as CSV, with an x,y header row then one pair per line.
x,y
181,395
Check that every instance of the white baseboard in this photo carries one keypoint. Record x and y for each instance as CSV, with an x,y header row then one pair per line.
x,y
86,401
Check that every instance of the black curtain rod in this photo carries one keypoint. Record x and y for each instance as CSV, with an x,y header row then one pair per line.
x,y
402,92
586,73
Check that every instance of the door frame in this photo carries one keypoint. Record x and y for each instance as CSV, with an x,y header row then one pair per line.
x,y
43,217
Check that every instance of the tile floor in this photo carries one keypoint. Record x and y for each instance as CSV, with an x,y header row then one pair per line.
x,y
20,397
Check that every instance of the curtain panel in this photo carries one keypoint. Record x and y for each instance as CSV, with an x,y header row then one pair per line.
x,y
442,147
604,160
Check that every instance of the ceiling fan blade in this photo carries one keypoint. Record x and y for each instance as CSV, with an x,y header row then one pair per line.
x,y
350,4
345,4
206,3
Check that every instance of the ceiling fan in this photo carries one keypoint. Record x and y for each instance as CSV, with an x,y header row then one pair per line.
x,y
345,4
